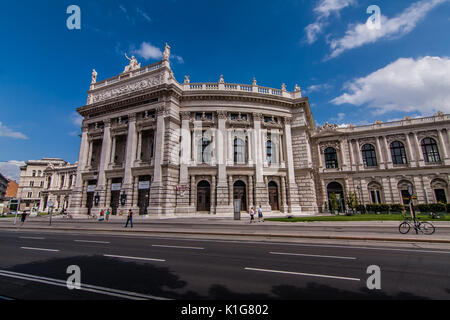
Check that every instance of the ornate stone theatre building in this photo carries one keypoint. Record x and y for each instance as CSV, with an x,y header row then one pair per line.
x,y
161,147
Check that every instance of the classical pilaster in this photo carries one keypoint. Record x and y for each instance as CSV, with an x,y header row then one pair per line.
x,y
104,161
156,187
213,195
261,195
127,186
410,152
222,207
443,147
388,160
250,192
284,207
382,163
183,205
418,150
294,203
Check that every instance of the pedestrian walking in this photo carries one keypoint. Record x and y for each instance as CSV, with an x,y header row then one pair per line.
x,y
129,218
260,214
252,215
108,212
102,215
22,219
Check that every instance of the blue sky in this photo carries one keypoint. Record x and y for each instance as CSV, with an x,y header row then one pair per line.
x,y
351,74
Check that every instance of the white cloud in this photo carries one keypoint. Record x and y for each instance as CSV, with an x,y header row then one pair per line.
x,y
323,10
408,85
143,14
358,35
10,169
147,51
76,119
317,87
178,59
7,132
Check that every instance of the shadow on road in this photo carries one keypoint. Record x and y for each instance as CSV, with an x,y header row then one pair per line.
x,y
149,279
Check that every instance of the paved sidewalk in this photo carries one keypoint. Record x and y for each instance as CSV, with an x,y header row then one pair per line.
x,y
379,231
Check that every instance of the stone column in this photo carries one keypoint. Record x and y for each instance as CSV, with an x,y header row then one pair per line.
x,y
192,193
284,207
320,157
130,153
156,188
213,195
250,192
443,147
294,205
183,205
388,161
382,163
139,146
343,155
352,155
261,197
410,152
222,188
421,161
386,190
134,202
104,161
360,158
230,189
107,202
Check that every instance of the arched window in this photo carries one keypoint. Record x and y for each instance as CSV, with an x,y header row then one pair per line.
x,y
34,173
398,153
375,192
331,160
239,151
369,155
269,151
430,150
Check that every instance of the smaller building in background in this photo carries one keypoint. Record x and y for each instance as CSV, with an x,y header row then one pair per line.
x,y
33,181
59,181
3,186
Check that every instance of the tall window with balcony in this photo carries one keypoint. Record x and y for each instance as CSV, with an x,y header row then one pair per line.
x,y
369,155
331,160
398,153
239,151
204,150
430,150
269,151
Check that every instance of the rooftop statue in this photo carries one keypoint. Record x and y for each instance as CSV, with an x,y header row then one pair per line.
x,y
94,76
133,65
166,53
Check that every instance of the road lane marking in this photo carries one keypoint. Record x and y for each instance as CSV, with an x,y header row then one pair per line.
x,y
6,298
84,287
179,247
134,258
312,255
92,241
40,249
34,238
303,274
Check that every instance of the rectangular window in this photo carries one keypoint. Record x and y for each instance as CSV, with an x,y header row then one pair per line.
x,y
29,194
440,195
31,183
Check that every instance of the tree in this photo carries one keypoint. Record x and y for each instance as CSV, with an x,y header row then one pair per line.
x,y
334,203
353,201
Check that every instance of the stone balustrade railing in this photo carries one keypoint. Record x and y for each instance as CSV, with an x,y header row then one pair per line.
x,y
127,75
240,88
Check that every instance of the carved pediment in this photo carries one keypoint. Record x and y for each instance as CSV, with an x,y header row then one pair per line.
x,y
333,144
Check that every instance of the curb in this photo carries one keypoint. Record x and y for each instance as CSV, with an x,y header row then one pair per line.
x,y
242,235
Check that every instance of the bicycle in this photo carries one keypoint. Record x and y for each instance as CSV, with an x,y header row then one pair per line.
x,y
422,226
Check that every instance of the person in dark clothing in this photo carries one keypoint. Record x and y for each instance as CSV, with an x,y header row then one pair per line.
x,y
129,218
24,216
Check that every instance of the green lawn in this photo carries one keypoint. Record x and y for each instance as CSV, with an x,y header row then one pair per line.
x,y
358,217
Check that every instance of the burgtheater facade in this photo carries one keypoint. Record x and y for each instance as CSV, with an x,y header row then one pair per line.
x,y
160,147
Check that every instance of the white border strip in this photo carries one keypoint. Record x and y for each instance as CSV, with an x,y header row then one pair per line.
x,y
134,258
312,255
177,247
303,274
40,249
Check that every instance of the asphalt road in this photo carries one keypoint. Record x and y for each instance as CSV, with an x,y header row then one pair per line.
x,y
33,265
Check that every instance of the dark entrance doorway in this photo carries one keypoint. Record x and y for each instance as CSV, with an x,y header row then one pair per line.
x,y
273,196
116,185
90,195
143,194
336,197
203,196
239,192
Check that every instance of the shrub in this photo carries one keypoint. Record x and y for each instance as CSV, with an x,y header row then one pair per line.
x,y
423,208
383,207
397,207
361,208
437,207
